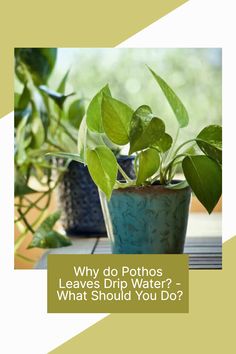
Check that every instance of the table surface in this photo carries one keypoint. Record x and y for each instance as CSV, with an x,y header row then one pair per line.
x,y
204,252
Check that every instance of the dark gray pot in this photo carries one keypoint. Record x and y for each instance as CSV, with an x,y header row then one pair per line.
x,y
79,201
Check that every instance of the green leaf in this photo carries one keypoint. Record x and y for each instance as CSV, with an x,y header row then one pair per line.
x,y
62,85
174,101
102,166
164,143
76,113
210,142
38,61
21,187
39,105
57,97
148,163
21,134
145,129
204,176
82,135
94,114
24,99
46,237
21,105
38,131
17,96
116,117
66,155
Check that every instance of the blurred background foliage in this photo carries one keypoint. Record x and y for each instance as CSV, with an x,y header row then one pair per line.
x,y
195,74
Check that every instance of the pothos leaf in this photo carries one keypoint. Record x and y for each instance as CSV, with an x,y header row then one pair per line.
x,y
164,143
38,131
210,142
177,106
46,237
76,113
116,117
94,114
148,162
145,129
204,175
102,166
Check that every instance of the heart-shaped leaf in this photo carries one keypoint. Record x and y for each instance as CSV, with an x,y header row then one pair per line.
x,y
148,162
210,142
103,168
204,176
174,101
145,129
76,113
164,143
46,237
94,114
116,117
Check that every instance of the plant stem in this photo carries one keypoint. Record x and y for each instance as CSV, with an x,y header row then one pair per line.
x,y
169,167
173,145
25,221
48,192
24,258
122,172
180,147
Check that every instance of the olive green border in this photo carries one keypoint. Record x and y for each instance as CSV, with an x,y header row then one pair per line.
x,y
207,328
74,23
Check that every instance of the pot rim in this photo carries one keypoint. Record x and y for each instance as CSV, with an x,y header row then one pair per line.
x,y
153,188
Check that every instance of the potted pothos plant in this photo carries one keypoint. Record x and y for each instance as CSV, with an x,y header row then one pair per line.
x,y
149,213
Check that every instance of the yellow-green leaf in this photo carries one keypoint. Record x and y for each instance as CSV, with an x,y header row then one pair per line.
x,y
116,117
94,115
174,101
102,166
148,162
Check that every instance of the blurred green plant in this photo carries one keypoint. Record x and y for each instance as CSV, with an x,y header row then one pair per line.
x,y
42,124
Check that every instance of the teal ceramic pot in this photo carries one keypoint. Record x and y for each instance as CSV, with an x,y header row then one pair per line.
x,y
150,219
